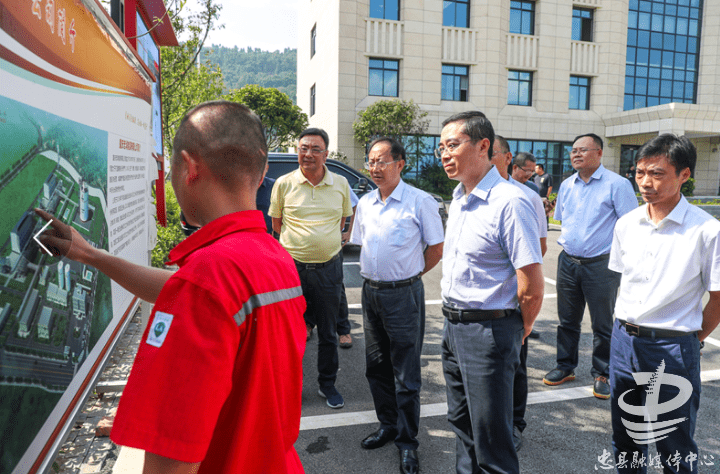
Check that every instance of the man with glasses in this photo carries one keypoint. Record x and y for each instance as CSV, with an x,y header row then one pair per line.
x,y
492,290
589,204
523,169
401,234
308,208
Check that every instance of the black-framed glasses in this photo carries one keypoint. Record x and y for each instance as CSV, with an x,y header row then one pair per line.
x,y
450,147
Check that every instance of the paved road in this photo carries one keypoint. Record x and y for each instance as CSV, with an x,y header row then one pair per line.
x,y
568,428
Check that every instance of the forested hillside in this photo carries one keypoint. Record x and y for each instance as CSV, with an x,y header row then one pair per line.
x,y
242,66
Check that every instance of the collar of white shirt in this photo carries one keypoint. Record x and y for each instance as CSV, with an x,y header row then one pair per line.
x,y
677,215
483,188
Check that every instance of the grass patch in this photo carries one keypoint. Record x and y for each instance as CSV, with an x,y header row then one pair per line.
x,y
20,193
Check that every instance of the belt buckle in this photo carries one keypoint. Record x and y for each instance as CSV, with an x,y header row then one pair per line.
x,y
632,329
311,266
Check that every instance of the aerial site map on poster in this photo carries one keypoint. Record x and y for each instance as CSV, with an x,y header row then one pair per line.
x,y
75,142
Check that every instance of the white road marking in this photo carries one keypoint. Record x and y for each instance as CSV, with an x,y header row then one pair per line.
x,y
437,302
552,282
713,341
440,409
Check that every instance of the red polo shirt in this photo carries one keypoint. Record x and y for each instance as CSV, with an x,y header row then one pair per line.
x,y
218,375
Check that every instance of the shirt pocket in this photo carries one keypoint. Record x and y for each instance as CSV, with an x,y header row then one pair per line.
x,y
401,231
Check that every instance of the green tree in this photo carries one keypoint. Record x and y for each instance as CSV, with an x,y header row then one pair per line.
x,y
283,121
188,79
390,118
168,237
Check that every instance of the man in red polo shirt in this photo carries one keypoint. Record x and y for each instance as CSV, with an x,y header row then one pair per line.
x,y
217,381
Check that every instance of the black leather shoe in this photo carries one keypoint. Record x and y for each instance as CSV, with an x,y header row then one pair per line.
x,y
558,376
517,438
534,334
601,389
379,438
409,463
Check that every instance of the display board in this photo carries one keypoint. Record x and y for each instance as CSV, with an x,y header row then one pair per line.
x,y
75,127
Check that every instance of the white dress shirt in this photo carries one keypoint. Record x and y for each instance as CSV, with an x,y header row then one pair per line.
x,y
666,268
393,234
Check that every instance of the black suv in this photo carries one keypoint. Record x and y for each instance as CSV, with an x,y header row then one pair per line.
x,y
284,163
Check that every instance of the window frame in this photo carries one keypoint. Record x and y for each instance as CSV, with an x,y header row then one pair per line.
x,y
312,100
519,80
514,10
384,70
454,22
384,9
457,83
585,88
313,38
584,21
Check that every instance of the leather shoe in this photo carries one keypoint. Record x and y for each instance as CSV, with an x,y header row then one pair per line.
x,y
534,334
558,376
379,438
517,438
409,463
601,389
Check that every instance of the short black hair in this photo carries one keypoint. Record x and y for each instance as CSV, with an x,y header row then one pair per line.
x,y
598,141
477,127
679,151
316,131
522,157
542,167
397,150
228,137
503,143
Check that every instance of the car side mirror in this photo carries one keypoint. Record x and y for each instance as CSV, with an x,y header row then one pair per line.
x,y
363,185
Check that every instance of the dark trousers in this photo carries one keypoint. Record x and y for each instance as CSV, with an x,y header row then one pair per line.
x,y
394,321
479,362
322,288
343,321
596,285
520,389
681,356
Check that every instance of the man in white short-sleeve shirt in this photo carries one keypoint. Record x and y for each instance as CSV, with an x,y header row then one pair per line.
x,y
668,252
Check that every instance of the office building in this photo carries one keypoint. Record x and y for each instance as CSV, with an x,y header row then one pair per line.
x,y
28,314
543,71
44,323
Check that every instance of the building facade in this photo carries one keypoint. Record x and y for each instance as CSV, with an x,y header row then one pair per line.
x,y
543,71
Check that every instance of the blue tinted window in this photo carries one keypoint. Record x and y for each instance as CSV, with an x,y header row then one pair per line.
x,y
455,82
582,25
383,77
522,17
662,52
456,13
519,88
385,9
579,93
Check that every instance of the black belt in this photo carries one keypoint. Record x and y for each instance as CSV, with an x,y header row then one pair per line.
x,y
466,315
585,261
313,266
640,331
384,285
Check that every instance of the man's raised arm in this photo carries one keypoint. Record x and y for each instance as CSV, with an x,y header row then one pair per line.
x,y
63,240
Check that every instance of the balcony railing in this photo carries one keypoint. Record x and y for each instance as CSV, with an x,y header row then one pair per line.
x,y
584,58
522,51
458,44
384,37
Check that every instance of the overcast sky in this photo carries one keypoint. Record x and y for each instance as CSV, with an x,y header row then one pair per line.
x,y
266,24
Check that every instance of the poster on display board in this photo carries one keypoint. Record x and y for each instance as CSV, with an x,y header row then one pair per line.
x,y
75,127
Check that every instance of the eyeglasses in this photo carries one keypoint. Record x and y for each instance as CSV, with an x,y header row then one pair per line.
x,y
451,147
381,165
528,171
581,151
314,150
